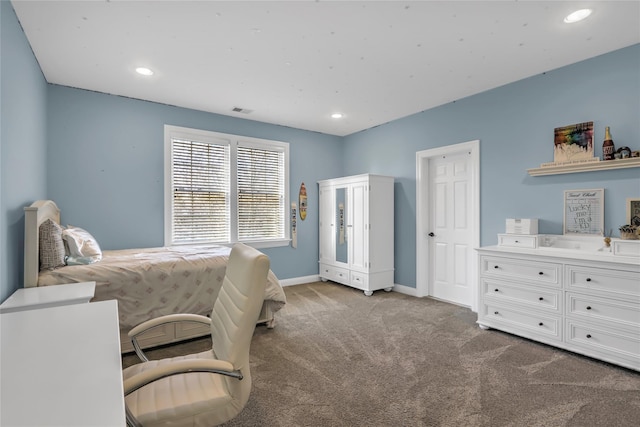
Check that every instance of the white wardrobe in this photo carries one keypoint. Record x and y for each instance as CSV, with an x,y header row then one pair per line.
x,y
356,231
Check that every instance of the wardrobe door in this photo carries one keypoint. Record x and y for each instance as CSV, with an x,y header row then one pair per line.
x,y
358,226
326,224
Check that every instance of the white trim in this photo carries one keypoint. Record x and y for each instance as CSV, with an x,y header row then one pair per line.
x,y
406,290
299,280
423,209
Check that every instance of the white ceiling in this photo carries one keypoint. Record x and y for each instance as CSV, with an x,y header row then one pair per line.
x,y
293,63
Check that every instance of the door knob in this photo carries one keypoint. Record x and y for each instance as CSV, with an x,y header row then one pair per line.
x,y
431,234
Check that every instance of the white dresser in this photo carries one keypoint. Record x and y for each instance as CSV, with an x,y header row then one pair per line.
x,y
356,231
572,294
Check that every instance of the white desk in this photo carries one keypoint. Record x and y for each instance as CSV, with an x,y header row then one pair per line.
x,y
61,366
48,296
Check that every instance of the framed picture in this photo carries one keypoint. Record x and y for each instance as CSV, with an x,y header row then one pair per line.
x,y
573,143
633,212
584,212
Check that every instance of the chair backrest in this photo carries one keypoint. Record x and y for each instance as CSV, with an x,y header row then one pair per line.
x,y
238,306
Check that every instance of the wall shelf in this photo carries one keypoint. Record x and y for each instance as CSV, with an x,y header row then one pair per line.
x,y
632,162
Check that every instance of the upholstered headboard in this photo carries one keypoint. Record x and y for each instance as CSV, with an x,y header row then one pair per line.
x,y
34,215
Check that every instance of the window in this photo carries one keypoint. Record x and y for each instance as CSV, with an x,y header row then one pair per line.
x,y
222,188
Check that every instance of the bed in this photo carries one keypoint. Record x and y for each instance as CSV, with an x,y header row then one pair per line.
x,y
147,283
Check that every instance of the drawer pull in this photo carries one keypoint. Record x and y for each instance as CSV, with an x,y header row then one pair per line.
x,y
495,312
541,273
540,324
588,335
517,241
588,279
495,266
496,290
541,299
588,307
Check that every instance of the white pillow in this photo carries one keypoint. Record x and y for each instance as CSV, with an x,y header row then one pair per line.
x,y
83,247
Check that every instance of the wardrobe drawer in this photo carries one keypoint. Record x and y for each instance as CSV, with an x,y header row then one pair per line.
x,y
534,297
336,274
522,322
533,271
615,341
603,281
359,280
604,309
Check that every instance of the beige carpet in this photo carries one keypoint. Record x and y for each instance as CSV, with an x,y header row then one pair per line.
x,y
339,358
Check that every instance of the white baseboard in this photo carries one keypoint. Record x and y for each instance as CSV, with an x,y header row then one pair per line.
x,y
407,290
299,280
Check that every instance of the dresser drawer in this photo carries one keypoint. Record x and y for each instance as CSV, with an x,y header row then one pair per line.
x,y
522,322
518,241
604,309
536,298
336,274
616,342
518,269
603,281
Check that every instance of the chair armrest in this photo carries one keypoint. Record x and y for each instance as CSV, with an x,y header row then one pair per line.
x,y
159,321
141,379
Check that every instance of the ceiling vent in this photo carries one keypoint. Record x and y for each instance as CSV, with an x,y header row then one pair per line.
x,y
241,110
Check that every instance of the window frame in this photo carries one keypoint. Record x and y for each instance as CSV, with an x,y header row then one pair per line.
x,y
204,136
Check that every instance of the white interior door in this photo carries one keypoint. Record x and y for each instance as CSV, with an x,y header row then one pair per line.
x,y
450,235
448,222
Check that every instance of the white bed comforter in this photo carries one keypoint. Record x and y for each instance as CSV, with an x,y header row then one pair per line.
x,y
156,281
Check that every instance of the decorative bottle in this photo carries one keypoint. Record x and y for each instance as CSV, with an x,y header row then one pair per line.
x,y
607,146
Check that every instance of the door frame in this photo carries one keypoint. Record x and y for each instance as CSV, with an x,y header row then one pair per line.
x,y
423,213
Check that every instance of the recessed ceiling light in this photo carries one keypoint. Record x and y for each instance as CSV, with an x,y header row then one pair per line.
x,y
144,71
578,15
336,116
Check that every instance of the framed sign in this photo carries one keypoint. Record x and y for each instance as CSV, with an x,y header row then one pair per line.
x,y
584,212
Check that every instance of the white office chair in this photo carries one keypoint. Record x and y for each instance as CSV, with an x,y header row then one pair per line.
x,y
211,387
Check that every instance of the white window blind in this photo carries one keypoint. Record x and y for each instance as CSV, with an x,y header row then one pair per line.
x,y
223,189
200,192
261,208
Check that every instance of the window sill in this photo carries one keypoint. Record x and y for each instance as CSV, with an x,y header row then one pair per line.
x,y
258,244
262,244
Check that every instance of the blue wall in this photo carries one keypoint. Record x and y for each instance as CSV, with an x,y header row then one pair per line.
x,y
514,124
23,146
100,157
106,169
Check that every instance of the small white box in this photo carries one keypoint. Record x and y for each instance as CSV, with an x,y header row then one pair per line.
x,y
522,226
627,248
